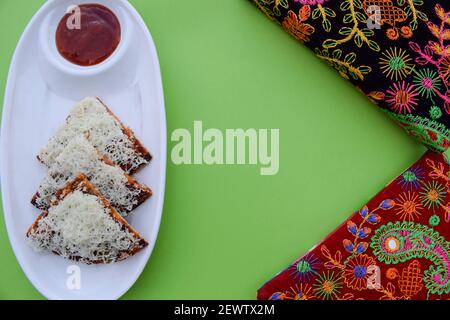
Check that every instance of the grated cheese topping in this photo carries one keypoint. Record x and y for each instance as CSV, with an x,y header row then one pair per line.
x,y
80,157
106,134
80,227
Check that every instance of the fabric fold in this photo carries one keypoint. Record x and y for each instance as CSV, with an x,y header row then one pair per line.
x,y
395,247
396,52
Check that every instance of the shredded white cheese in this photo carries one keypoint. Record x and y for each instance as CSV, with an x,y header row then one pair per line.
x,y
80,157
81,227
106,134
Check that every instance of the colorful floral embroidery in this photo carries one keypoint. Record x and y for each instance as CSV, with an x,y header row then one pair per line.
x,y
344,64
328,286
408,206
411,179
296,26
427,82
398,242
298,292
410,280
397,52
395,247
356,272
402,98
396,64
305,268
433,194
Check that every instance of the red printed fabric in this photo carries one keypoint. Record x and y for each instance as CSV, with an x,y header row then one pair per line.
x,y
395,247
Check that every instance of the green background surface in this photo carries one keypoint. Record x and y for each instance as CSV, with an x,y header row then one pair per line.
x,y
226,229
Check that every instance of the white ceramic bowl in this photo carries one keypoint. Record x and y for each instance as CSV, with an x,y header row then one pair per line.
x,y
67,78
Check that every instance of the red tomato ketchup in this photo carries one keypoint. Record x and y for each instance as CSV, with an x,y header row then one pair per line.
x,y
89,38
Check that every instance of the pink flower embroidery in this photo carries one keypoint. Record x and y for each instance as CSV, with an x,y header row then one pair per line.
x,y
402,97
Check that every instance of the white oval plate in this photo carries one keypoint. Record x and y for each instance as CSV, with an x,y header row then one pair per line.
x,y
41,90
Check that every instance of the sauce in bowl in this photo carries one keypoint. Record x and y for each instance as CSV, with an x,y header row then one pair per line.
x,y
93,40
